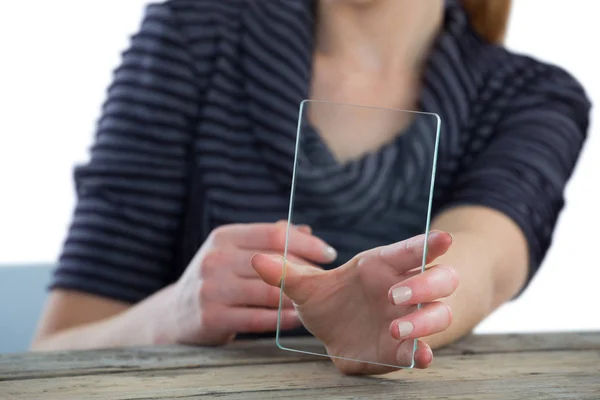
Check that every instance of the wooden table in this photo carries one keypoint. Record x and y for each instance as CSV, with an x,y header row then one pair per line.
x,y
552,366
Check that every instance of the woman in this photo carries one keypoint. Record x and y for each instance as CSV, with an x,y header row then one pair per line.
x,y
190,171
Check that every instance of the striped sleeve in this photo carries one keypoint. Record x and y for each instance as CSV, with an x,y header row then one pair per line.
x,y
523,170
130,195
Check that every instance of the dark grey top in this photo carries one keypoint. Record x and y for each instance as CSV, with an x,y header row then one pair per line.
x,y
199,130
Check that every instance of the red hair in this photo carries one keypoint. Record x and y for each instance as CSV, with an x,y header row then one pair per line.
x,y
489,18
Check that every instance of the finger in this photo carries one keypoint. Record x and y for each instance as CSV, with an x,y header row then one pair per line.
x,y
301,227
272,237
299,281
227,266
430,319
407,254
222,261
423,355
256,320
252,293
301,243
402,355
435,283
304,228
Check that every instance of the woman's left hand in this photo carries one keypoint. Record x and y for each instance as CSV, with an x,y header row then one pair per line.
x,y
366,309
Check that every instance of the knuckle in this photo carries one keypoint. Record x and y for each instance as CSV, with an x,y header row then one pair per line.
x,y
360,255
442,279
277,236
454,278
206,294
449,313
439,313
432,279
363,256
219,235
413,247
212,260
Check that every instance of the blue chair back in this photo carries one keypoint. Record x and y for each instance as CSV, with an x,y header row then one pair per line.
x,y
23,291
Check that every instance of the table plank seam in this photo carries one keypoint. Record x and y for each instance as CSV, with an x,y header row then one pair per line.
x,y
214,393
125,370
468,352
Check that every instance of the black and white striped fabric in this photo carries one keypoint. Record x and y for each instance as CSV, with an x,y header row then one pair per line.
x,y
199,130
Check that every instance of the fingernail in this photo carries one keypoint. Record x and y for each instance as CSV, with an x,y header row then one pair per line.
x,y
330,253
401,294
405,328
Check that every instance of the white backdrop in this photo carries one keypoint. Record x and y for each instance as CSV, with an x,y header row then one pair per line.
x,y
56,62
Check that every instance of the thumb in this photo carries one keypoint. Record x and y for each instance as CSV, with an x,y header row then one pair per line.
x,y
298,280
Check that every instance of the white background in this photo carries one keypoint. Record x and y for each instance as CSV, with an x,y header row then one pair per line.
x,y
56,60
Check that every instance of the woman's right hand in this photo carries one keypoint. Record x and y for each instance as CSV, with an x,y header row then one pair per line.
x,y
220,295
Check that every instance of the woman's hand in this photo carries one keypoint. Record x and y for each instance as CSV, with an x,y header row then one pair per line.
x,y
366,308
220,295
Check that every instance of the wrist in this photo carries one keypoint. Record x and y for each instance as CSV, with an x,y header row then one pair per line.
x,y
161,325
147,323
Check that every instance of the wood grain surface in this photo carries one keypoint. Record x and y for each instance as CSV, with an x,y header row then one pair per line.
x,y
543,366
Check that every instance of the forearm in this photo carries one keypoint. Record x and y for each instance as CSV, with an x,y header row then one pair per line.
x,y
138,325
490,260
473,300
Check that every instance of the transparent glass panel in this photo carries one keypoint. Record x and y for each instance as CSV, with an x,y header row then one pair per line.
x,y
363,178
